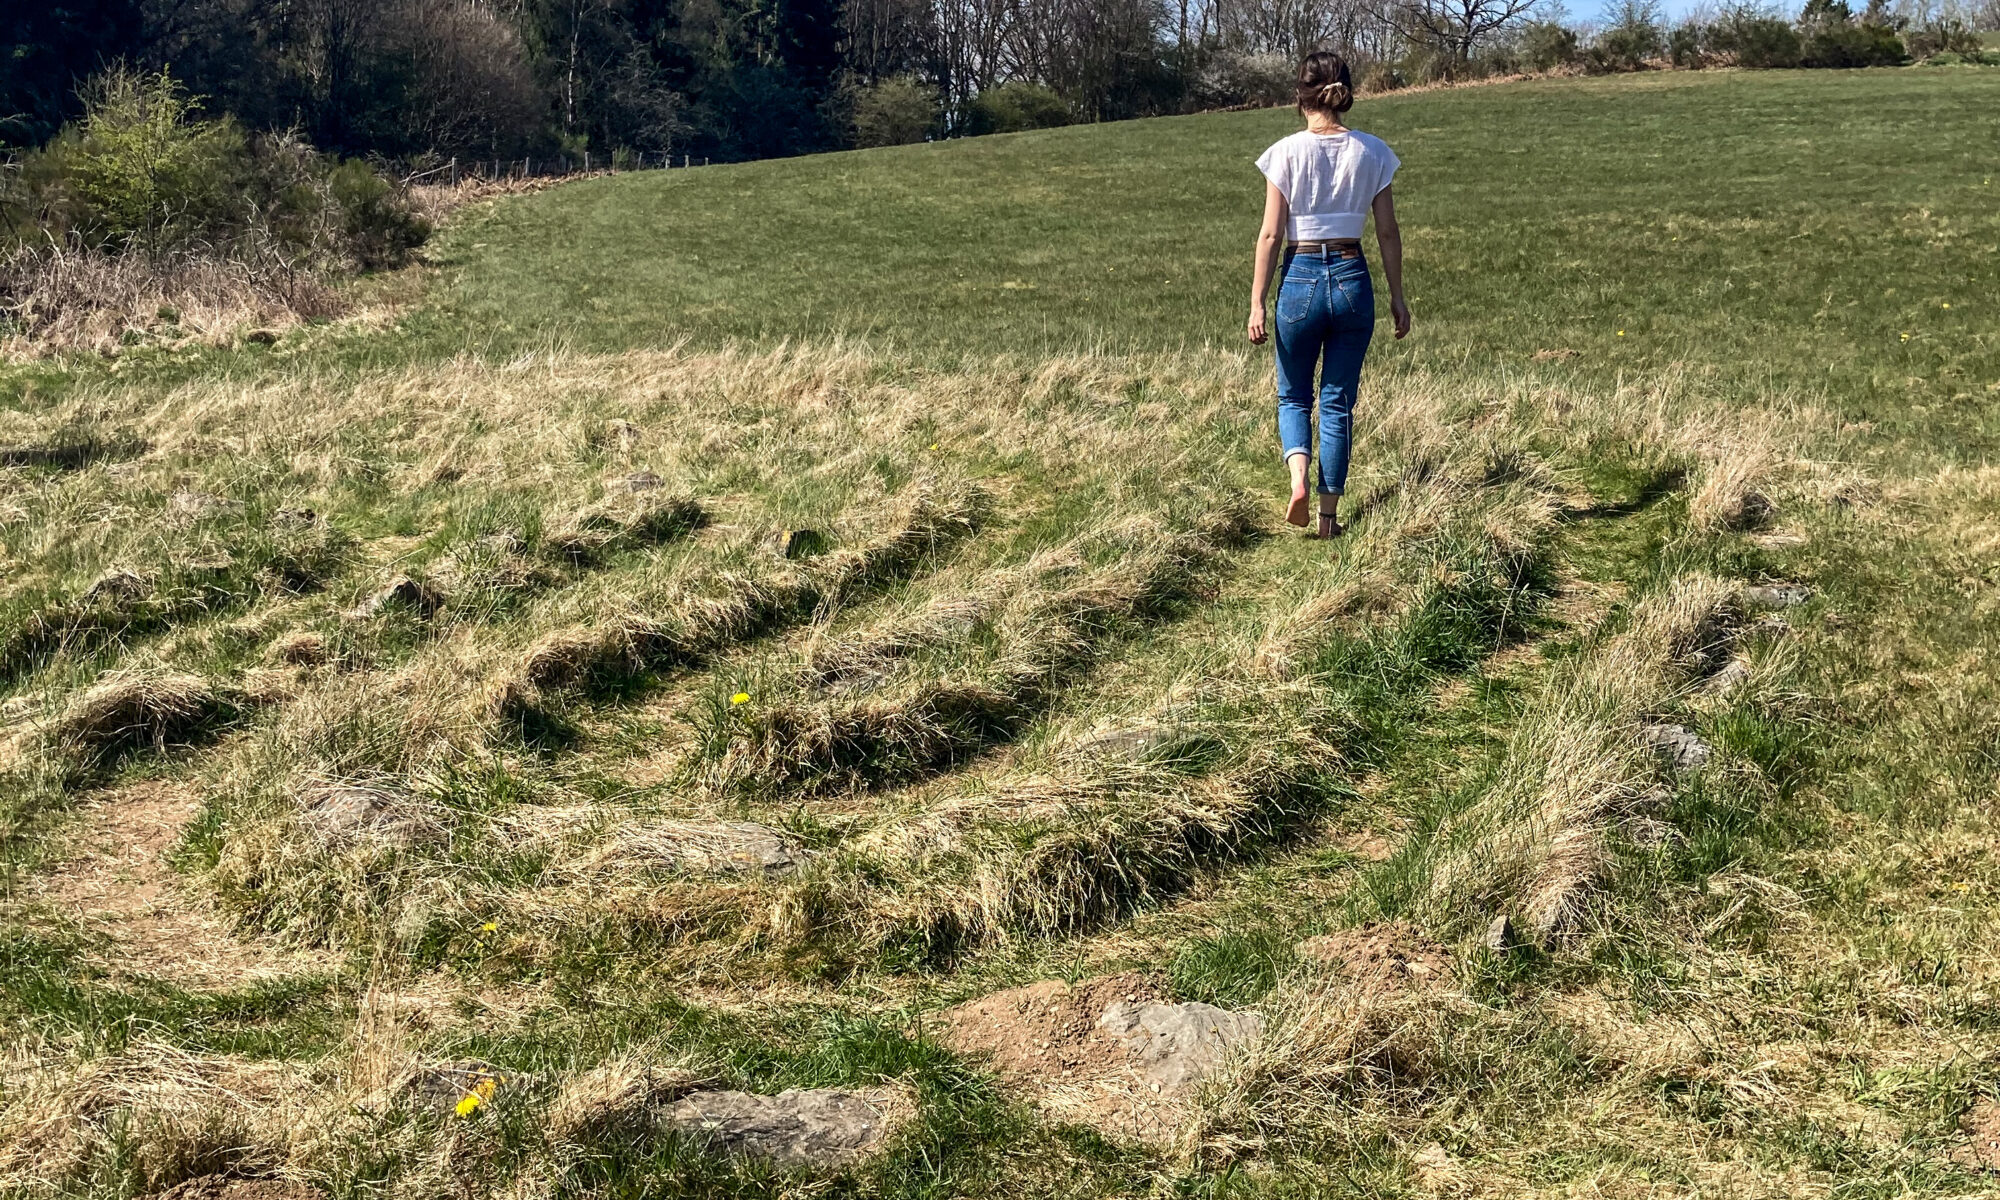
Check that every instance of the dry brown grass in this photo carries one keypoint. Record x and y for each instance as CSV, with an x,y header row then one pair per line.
x,y
59,301
1534,844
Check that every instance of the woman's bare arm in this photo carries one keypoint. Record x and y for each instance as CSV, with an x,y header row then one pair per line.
x,y
1270,247
1390,237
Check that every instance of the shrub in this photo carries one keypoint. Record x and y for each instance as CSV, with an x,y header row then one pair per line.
x,y
1684,47
1546,45
141,172
894,112
1750,39
138,171
1851,46
1944,35
1630,40
380,227
1382,77
1012,107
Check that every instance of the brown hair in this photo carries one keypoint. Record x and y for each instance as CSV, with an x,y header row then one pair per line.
x,y
1324,83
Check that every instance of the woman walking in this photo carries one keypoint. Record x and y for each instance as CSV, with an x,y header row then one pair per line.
x,y
1320,186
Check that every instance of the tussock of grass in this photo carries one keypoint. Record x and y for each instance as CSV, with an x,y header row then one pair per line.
x,y
138,710
1046,639
198,577
152,1113
622,523
695,626
1057,854
1534,844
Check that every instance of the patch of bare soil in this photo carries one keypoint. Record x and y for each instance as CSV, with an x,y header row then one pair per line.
x,y
1045,1040
221,1187
1981,1126
1367,845
115,881
1382,956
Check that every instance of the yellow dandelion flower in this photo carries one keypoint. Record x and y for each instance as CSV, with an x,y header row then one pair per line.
x,y
1947,304
481,1092
934,444
1621,333
1906,337
489,927
740,698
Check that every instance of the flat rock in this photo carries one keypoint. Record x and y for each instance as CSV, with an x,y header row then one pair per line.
x,y
294,518
705,847
1177,1045
119,584
1733,675
641,481
1777,595
1500,935
442,1087
402,591
820,1128
348,814
225,1187
193,506
735,846
1678,744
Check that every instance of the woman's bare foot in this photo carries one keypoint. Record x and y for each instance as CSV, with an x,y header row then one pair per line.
x,y
1298,511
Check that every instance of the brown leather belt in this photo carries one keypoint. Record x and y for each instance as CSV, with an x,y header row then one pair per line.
x,y
1337,248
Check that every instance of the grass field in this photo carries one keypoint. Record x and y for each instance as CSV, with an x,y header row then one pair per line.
x,y
733,624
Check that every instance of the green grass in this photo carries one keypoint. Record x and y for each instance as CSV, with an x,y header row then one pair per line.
x,y
1776,980
1766,226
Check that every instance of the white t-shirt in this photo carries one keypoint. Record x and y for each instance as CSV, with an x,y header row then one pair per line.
x,y
1329,180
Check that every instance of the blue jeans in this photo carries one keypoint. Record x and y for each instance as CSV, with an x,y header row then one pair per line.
x,y
1326,310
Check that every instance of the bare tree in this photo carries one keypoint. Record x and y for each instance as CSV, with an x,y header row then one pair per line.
x,y
972,38
1452,28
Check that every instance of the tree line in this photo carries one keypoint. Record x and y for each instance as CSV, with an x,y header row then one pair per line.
x,y
741,79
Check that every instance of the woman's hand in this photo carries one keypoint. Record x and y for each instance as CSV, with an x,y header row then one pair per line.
x,y
1399,310
1256,327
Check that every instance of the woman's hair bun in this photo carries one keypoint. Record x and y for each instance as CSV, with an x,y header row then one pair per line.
x,y
1325,84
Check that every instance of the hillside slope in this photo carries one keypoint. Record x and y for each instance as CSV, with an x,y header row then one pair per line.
x,y
824,627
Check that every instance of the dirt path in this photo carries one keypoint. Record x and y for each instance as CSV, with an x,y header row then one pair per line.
x,y
114,880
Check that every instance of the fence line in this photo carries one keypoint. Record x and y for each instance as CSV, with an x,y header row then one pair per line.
x,y
456,170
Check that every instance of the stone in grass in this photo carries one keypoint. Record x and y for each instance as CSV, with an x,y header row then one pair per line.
x,y
402,591
456,1087
1678,744
1500,935
704,847
798,543
117,584
194,506
1176,1045
294,518
1734,674
1777,595
349,814
641,481
824,1127
1124,741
